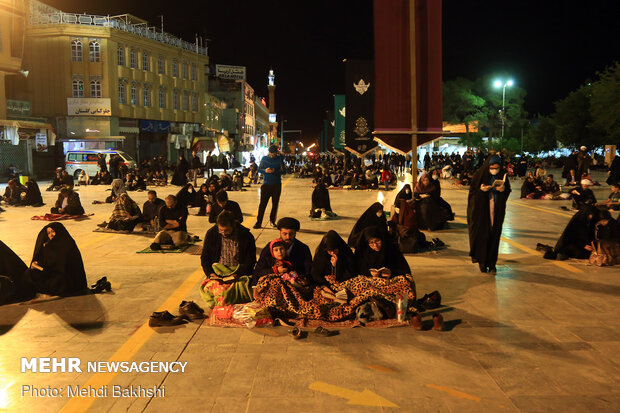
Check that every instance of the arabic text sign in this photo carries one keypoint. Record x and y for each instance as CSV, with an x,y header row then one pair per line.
x,y
230,72
18,108
89,107
41,142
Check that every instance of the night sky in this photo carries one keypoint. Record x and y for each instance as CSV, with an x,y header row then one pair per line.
x,y
550,47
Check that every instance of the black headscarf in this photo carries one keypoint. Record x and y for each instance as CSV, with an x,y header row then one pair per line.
x,y
403,195
484,238
12,269
62,257
389,256
33,194
320,197
368,219
185,197
579,232
179,178
321,264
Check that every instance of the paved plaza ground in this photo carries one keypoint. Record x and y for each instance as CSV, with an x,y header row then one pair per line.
x,y
540,336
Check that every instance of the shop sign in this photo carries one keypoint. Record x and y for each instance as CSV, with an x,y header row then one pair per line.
x,y
89,107
18,108
40,140
230,72
154,126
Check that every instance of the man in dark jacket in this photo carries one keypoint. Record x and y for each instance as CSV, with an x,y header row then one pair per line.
x,y
272,167
101,162
228,243
150,209
67,180
196,168
297,252
222,203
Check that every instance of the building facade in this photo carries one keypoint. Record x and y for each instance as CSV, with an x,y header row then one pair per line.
x,y
114,82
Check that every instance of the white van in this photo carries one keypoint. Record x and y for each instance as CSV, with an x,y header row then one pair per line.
x,y
86,160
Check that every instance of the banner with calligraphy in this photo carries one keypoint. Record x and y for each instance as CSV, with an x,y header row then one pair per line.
x,y
89,107
360,96
339,121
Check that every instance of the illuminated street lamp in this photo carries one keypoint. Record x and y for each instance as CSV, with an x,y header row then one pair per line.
x,y
498,84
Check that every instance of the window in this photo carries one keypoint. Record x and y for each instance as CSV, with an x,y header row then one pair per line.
x,y
146,61
175,68
185,101
91,157
122,93
194,76
95,88
162,98
194,102
133,58
147,96
175,100
184,69
120,55
94,51
161,65
134,94
76,50
78,88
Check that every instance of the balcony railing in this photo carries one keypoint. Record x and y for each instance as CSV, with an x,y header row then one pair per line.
x,y
115,23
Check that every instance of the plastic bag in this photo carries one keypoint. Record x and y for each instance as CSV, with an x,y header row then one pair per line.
x,y
252,315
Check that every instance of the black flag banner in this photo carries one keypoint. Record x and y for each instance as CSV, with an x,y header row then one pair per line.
x,y
360,97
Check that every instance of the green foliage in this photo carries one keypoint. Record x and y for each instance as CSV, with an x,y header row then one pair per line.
x,y
462,105
541,136
605,103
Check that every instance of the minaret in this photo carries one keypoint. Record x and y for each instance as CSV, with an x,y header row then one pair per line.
x,y
273,124
272,91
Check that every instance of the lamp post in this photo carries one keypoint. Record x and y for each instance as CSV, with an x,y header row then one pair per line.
x,y
503,85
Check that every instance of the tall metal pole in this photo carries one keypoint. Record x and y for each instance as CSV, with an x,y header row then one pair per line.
x,y
503,110
414,109
282,135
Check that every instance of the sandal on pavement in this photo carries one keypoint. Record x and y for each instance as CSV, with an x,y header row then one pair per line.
x,y
297,333
323,332
191,310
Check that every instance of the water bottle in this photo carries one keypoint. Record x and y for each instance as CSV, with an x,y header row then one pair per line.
x,y
401,308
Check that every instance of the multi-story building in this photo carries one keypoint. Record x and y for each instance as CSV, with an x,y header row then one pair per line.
x,y
19,131
262,124
114,81
239,115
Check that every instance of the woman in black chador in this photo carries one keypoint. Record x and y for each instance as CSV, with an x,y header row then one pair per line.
x,y
332,257
320,198
57,268
372,217
180,173
12,270
486,208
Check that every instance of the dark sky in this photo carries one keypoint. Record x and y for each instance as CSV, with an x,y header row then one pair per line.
x,y
550,47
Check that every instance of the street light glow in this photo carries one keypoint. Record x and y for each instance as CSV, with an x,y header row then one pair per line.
x,y
497,83
510,83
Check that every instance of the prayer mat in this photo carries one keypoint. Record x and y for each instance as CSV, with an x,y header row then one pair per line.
x,y
60,217
179,250
312,324
112,231
194,250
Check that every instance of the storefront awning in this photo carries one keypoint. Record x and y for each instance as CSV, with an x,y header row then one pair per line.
x,y
223,143
24,124
203,143
93,138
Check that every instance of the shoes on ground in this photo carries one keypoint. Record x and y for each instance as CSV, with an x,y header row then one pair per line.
x,y
155,246
257,226
101,285
191,310
437,322
272,225
164,318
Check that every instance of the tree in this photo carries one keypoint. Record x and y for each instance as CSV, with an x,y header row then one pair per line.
x,y
605,103
541,136
516,116
574,120
462,105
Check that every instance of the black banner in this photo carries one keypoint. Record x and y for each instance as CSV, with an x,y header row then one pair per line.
x,y
360,98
